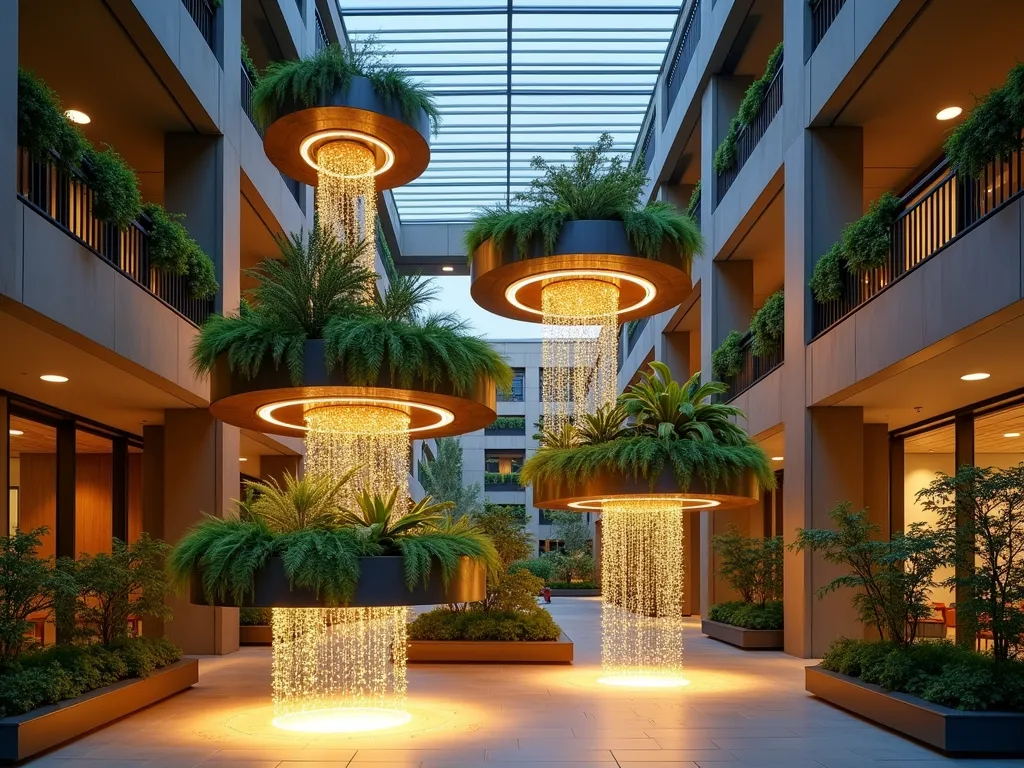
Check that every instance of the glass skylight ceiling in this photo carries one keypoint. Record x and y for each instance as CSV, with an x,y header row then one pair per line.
x,y
515,79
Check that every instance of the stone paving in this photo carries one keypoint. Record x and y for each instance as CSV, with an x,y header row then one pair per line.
x,y
746,708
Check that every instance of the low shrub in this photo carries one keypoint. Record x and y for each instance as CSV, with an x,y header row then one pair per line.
x,y
508,422
748,615
501,478
62,672
475,624
572,585
254,617
937,671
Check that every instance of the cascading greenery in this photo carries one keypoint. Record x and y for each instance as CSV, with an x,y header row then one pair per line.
x,y
592,187
992,131
320,542
693,206
317,290
306,82
727,359
50,137
675,426
768,325
863,245
750,107
508,422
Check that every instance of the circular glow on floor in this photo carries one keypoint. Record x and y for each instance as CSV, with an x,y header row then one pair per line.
x,y
345,720
643,681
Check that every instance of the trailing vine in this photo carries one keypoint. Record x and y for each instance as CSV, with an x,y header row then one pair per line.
x,y
693,207
750,107
768,325
992,131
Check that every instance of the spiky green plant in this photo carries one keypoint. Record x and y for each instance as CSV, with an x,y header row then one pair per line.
x,y
309,502
446,542
605,424
306,82
564,436
591,187
377,518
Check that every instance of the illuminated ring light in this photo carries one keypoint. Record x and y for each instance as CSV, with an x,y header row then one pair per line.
x,y
444,416
685,502
323,137
607,275
342,720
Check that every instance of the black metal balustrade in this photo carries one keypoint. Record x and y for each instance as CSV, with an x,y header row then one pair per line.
x,y
633,331
66,201
322,41
750,135
248,86
647,148
688,40
823,13
937,211
754,368
203,14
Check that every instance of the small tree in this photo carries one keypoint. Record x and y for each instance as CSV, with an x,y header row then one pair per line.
x,y
752,566
509,591
892,578
981,514
569,567
128,582
442,478
24,582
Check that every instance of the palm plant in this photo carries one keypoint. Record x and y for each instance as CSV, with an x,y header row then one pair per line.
x,y
377,519
306,81
606,424
591,187
667,409
300,504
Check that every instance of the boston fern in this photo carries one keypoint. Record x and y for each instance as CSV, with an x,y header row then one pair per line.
x,y
593,187
305,82
317,290
675,426
320,543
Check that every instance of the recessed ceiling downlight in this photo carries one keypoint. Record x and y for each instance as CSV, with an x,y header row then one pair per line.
x,y
54,378
15,432
1012,434
778,458
77,117
949,113
447,269
975,376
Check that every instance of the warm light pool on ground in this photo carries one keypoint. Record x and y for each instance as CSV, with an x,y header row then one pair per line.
x,y
643,681
342,720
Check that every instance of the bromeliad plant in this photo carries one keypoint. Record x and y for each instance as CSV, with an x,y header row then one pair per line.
x,y
673,425
317,290
320,542
306,82
592,187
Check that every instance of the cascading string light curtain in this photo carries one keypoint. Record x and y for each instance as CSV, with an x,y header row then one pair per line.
x,y
344,669
642,592
579,348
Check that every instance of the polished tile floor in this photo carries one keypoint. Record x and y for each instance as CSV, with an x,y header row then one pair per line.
x,y
741,707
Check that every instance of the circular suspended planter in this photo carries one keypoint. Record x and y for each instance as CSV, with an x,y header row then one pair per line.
x,y
270,402
381,584
401,146
614,485
506,283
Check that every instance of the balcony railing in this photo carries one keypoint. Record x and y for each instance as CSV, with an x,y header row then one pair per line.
x,y
750,135
823,13
66,201
203,14
322,41
633,331
688,40
937,211
248,87
647,148
754,368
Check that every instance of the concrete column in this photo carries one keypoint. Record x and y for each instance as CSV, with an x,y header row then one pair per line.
x,y
824,447
5,466
876,476
691,563
200,473
967,628
897,478
673,349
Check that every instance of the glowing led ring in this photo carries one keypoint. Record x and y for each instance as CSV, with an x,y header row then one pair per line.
x,y
685,503
604,274
444,416
307,145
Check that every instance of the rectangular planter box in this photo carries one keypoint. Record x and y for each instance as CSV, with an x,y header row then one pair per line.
x,y
515,487
747,639
575,592
952,731
491,652
255,634
22,736
521,432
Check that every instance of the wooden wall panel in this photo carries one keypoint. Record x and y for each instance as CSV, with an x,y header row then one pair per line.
x,y
38,492
93,502
134,496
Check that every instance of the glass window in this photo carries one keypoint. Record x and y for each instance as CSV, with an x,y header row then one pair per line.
x,y
33,479
518,393
94,493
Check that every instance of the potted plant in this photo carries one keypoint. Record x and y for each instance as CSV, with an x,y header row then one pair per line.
x,y
753,567
507,625
296,546
953,698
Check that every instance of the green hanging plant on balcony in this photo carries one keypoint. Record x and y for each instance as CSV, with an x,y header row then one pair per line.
x,y
115,187
768,325
592,187
250,66
727,360
174,250
305,81
508,422
42,127
864,245
992,131
693,207
750,107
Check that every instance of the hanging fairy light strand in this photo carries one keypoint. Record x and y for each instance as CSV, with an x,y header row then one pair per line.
x,y
642,592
